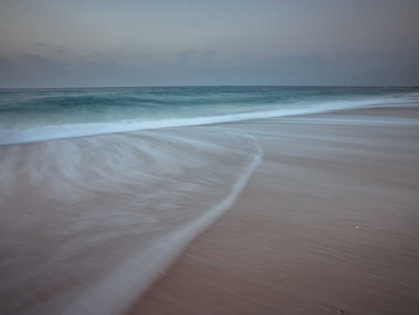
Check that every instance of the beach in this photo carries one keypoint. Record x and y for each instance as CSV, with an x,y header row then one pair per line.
x,y
209,157
328,222
312,213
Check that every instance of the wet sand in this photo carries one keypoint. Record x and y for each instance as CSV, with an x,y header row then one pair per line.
x,y
328,222
79,216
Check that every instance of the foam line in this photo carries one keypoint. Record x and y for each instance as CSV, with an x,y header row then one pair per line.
x,y
43,133
133,277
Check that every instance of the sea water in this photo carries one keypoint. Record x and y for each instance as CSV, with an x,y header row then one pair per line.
x,y
91,217
35,115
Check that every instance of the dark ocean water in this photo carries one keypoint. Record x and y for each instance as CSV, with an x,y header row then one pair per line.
x,y
36,115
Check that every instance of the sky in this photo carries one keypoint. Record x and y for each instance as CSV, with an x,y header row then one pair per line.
x,y
93,43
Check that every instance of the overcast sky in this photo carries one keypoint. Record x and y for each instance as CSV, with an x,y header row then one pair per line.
x,y
57,43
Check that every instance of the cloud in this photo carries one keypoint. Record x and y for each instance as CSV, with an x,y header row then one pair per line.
x,y
188,68
40,44
57,48
34,61
61,49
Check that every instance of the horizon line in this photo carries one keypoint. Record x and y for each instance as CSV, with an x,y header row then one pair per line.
x,y
197,86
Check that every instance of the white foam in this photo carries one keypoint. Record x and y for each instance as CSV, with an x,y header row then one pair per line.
x,y
125,205
42,133
125,284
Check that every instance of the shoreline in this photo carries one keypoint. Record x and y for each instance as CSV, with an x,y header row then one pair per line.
x,y
332,231
75,131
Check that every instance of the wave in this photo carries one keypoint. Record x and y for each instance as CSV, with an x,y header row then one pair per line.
x,y
71,130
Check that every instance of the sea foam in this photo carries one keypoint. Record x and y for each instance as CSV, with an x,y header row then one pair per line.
x,y
91,222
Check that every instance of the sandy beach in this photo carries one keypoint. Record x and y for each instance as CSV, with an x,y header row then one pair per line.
x,y
327,224
209,157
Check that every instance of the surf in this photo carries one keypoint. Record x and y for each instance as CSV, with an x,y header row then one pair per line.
x,y
82,120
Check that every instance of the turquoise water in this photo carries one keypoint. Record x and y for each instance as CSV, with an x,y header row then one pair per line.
x,y
35,115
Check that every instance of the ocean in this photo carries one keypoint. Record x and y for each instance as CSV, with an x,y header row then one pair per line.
x,y
36,115
93,216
